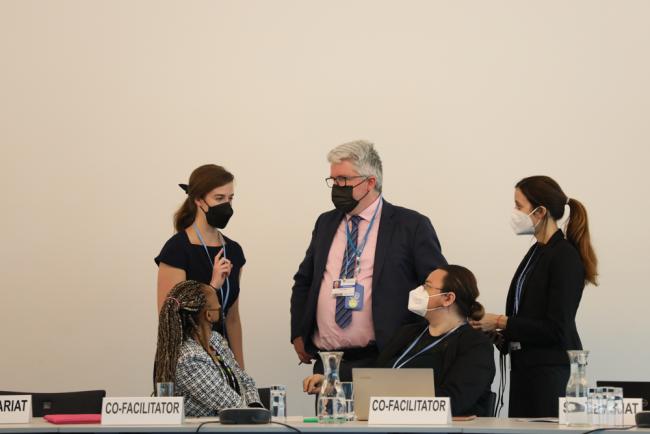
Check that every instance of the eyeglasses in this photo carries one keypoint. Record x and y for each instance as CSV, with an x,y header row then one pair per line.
x,y
342,181
428,287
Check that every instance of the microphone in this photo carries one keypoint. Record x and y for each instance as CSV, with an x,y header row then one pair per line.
x,y
244,416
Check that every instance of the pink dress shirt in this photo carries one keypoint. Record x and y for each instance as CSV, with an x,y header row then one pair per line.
x,y
360,332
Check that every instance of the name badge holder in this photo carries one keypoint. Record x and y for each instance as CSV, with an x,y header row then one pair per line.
x,y
348,287
343,287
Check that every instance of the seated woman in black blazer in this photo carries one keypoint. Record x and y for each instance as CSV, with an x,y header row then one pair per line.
x,y
462,358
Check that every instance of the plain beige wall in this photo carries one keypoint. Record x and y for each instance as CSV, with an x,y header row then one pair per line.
x,y
106,105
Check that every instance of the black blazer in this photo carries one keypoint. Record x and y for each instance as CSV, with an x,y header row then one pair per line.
x,y
545,324
407,251
467,367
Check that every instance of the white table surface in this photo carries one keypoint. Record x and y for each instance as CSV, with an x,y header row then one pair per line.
x,y
476,426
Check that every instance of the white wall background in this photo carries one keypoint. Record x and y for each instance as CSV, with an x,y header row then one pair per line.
x,y
106,105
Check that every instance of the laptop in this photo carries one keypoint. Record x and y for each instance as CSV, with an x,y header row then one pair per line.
x,y
369,382
631,389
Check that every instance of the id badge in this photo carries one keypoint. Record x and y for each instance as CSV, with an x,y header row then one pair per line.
x,y
355,302
343,287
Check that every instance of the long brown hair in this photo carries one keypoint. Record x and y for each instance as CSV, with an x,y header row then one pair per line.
x,y
462,282
544,191
203,180
178,320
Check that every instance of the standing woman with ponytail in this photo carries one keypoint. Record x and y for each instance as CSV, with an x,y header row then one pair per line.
x,y
539,326
199,251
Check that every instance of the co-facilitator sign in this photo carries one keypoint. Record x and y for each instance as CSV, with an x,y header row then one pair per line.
x,y
409,411
143,411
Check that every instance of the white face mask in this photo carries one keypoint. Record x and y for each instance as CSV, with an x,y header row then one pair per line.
x,y
419,301
521,222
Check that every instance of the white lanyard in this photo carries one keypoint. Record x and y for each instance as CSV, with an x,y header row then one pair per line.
x,y
397,363
205,247
519,286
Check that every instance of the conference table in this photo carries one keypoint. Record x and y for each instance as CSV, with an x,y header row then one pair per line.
x,y
476,426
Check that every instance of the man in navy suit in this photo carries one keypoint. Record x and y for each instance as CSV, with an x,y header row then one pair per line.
x,y
351,290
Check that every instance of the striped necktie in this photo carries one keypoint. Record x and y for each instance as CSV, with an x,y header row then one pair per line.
x,y
343,315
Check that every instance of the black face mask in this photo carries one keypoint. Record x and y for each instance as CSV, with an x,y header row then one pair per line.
x,y
343,199
218,215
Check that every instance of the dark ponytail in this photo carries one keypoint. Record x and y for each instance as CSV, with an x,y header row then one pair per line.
x,y
577,231
544,191
185,215
203,180
462,282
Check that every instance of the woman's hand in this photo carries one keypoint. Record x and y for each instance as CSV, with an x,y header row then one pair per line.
x,y
221,270
498,340
490,322
312,384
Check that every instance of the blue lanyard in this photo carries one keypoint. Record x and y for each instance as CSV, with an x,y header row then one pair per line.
x,y
358,250
397,363
205,247
520,281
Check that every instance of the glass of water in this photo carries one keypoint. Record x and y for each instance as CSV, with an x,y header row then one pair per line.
x,y
164,389
278,408
614,406
592,406
601,405
348,390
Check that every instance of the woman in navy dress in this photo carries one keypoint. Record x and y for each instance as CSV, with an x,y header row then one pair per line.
x,y
199,251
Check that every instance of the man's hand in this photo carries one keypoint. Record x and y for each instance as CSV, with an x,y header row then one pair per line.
x,y
299,346
312,384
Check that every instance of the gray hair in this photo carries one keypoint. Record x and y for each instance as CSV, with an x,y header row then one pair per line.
x,y
362,154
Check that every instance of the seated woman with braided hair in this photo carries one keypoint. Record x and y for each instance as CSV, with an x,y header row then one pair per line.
x,y
196,358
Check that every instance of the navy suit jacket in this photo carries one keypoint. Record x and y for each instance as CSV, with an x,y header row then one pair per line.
x,y
407,251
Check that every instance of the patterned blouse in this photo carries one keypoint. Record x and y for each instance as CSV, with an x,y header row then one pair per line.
x,y
204,384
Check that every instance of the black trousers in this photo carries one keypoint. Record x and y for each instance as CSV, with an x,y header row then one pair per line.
x,y
352,358
534,390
